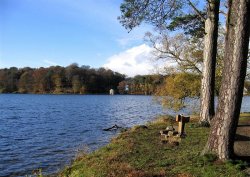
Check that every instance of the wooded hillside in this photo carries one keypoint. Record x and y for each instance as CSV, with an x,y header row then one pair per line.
x,y
57,79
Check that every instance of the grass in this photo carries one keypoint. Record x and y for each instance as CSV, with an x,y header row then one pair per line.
x,y
245,116
139,152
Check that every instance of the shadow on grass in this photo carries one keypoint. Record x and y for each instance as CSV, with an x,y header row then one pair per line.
x,y
241,138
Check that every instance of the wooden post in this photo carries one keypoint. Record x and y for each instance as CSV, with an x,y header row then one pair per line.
x,y
182,120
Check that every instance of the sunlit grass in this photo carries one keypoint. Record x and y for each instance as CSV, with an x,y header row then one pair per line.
x,y
245,116
140,152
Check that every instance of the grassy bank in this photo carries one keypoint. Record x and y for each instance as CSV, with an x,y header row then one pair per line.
x,y
140,152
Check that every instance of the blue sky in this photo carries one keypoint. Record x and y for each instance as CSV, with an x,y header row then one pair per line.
x,y
41,33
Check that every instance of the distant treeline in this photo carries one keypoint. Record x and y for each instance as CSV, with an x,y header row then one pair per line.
x,y
141,84
75,80
85,80
56,79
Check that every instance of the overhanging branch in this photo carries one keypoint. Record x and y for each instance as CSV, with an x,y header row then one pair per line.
x,y
197,11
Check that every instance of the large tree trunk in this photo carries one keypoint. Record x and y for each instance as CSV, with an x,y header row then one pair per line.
x,y
224,124
209,63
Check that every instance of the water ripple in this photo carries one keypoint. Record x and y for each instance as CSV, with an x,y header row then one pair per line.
x,y
45,131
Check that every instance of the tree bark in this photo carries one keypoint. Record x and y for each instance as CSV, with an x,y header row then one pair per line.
x,y
224,124
209,61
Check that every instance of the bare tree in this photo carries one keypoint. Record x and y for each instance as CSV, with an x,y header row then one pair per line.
x,y
185,52
159,13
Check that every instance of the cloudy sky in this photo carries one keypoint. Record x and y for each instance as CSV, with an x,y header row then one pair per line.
x,y
41,33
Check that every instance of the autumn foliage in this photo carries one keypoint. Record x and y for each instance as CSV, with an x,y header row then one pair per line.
x,y
56,79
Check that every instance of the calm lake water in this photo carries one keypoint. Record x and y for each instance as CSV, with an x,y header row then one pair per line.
x,y
45,131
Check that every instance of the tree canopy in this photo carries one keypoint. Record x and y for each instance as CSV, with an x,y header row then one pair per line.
x,y
134,12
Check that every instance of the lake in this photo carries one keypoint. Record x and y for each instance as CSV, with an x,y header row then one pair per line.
x,y
45,131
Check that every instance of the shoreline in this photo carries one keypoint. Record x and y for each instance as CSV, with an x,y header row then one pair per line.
x,y
17,93
130,153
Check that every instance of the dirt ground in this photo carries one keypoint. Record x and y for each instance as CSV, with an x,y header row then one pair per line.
x,y
242,142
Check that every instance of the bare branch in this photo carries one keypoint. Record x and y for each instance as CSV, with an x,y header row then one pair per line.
x,y
196,10
222,12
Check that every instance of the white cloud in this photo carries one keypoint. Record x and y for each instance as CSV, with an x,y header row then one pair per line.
x,y
134,61
125,41
50,63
